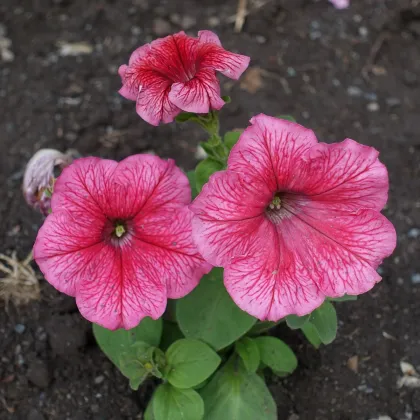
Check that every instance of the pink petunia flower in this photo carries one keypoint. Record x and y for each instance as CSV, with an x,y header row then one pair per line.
x,y
292,220
178,73
119,238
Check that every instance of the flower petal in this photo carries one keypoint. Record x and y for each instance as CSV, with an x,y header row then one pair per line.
x,y
143,184
127,91
199,95
210,55
82,187
165,238
346,175
120,287
139,54
228,216
271,150
309,260
66,242
210,37
153,103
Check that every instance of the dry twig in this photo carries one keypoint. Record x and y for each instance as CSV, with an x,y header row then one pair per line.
x,y
20,282
241,13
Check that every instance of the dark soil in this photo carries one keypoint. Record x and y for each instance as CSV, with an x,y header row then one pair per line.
x,y
326,67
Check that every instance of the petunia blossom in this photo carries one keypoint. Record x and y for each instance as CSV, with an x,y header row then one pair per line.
x,y
294,221
119,238
39,177
178,73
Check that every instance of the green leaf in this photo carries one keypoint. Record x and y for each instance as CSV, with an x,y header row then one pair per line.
x,y
248,351
324,319
208,313
227,99
193,184
344,298
295,322
311,334
148,414
171,403
262,326
114,343
231,138
170,334
287,117
204,169
190,362
276,355
236,394
185,116
131,363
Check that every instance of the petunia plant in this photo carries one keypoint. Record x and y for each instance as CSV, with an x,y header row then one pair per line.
x,y
188,292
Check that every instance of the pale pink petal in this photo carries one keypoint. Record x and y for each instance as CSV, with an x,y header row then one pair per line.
x,y
164,237
139,54
82,187
127,91
229,216
271,150
199,95
153,104
120,287
346,175
65,244
340,4
143,183
210,55
210,37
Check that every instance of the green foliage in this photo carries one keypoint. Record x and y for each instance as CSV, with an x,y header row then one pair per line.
x,y
236,394
276,355
208,313
190,362
193,185
204,169
344,298
114,343
324,319
186,116
248,351
170,403
311,334
295,322
170,334
287,117
231,138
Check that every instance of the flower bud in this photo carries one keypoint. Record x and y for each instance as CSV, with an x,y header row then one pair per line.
x,y
39,178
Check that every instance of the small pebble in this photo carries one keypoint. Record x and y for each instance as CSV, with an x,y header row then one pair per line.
x,y
354,91
393,102
371,96
365,388
99,379
291,71
314,35
413,233
161,27
357,18
20,328
373,107
363,31
260,39
213,21
415,278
